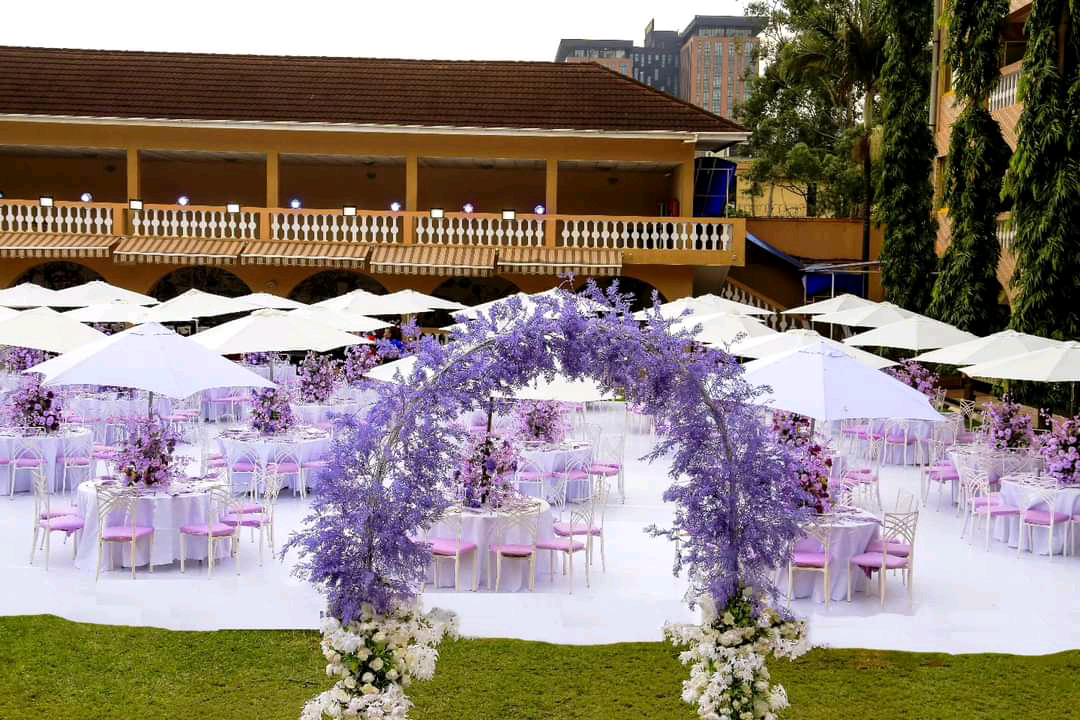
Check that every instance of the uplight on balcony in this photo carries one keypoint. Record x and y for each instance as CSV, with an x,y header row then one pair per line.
x,y
45,201
349,211
509,215
86,197
232,208
437,213
135,204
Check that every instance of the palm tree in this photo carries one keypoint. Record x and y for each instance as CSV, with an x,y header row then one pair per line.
x,y
840,44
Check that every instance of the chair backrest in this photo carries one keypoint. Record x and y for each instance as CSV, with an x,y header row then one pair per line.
x,y
905,502
516,526
453,524
533,472
219,502
1035,491
271,488
24,448
900,527
117,501
611,449
241,453
820,532
282,455
39,483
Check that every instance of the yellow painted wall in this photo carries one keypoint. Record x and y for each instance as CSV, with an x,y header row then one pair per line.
x,y
785,202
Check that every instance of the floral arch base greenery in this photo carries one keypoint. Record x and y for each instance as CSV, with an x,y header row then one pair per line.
x,y
738,500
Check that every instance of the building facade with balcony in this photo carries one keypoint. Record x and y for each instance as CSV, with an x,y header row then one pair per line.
x,y
309,176
1004,106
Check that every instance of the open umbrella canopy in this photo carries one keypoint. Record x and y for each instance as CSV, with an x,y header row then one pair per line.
x,y
45,329
870,316
992,347
847,301
403,302
148,357
6,312
771,345
1058,363
27,295
117,311
389,372
196,304
702,305
823,383
349,322
723,329
99,291
528,303
562,389
914,333
273,331
271,301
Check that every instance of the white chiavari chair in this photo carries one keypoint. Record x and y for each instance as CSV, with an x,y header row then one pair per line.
x,y
219,505
123,503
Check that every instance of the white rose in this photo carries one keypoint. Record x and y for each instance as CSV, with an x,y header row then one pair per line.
x,y
379,637
377,664
368,678
350,682
392,674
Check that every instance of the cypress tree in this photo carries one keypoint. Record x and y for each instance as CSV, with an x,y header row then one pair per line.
x,y
907,192
1043,181
967,289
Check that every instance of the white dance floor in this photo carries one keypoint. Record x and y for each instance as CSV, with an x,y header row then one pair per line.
x,y
966,599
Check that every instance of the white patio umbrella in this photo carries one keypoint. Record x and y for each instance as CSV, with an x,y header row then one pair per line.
x,y
274,331
702,305
914,333
99,291
148,357
528,303
45,329
27,295
723,329
1057,363
992,347
823,383
388,372
196,304
6,312
433,303
768,346
870,316
847,301
403,302
269,300
109,312
349,322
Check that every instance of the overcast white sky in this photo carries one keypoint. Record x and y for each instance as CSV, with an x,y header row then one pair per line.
x,y
448,29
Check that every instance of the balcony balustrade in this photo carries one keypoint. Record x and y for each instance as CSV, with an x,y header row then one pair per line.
x,y
1006,91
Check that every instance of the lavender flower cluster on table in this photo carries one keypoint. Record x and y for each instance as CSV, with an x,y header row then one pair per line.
x,y
31,405
543,420
914,374
813,459
1010,426
1060,450
485,477
318,374
147,457
271,412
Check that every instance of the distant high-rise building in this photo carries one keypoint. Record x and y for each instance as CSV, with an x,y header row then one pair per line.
x,y
706,64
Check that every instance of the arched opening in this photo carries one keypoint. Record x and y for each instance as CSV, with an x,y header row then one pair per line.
x,y
331,283
208,279
468,291
59,275
641,290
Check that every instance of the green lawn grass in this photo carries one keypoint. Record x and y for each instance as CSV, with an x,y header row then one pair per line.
x,y
51,668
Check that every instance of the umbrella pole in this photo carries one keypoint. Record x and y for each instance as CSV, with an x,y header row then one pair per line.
x,y
271,369
491,412
149,405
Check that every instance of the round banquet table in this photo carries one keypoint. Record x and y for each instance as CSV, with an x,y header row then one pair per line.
x,y
555,458
478,526
849,533
319,413
75,441
162,510
310,445
1067,500
999,464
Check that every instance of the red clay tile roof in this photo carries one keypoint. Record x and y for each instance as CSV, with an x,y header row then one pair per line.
x,y
541,95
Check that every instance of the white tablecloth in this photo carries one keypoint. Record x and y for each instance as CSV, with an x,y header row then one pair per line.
x,y
478,526
264,446
849,537
550,460
1013,493
163,512
319,413
77,441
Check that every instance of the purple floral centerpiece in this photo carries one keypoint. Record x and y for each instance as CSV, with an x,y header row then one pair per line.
x,y
271,412
543,420
812,460
317,376
31,405
484,475
147,456
918,376
20,358
1060,449
358,360
257,358
1010,427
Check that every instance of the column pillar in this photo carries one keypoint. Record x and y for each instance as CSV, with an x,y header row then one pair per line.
x,y
551,201
273,194
134,191
412,173
684,190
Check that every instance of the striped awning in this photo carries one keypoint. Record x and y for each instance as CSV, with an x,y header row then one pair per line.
x,y
432,260
306,254
55,245
559,260
179,251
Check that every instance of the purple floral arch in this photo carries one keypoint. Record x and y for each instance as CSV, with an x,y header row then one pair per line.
x,y
738,507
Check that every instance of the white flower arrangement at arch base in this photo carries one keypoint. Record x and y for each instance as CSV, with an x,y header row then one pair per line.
x,y
375,658
726,654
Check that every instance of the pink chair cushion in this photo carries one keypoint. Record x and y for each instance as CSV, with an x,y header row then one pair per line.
x,y
124,533
449,547
177,418
77,461
996,509
898,549
991,499
605,470
289,468
63,523
216,462
566,529
899,438
571,475
512,550
218,529
1042,517
253,520
243,508
854,430
24,462
243,466
561,544
57,513
808,558
314,464
531,476
943,474
871,560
